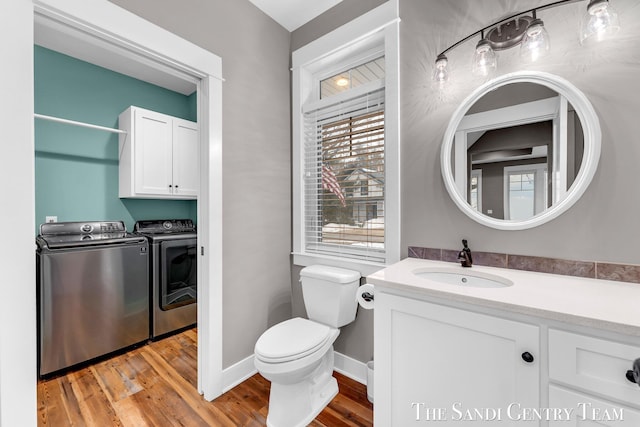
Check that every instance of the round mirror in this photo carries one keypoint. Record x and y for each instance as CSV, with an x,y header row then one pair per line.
x,y
520,150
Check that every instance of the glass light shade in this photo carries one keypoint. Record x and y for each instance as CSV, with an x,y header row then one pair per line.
x,y
535,42
600,21
484,59
441,74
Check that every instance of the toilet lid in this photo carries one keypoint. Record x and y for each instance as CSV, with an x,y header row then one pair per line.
x,y
291,339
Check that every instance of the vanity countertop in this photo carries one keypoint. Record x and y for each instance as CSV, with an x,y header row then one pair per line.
x,y
602,304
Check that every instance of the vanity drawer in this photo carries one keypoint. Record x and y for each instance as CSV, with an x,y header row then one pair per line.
x,y
587,411
593,364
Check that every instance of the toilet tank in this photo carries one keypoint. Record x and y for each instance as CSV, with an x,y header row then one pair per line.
x,y
330,294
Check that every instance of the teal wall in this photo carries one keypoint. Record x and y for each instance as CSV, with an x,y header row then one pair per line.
x,y
77,168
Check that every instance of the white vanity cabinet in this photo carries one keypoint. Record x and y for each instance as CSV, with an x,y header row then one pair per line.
x,y
158,156
588,375
439,363
442,348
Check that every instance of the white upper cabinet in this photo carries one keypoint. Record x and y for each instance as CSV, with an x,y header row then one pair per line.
x,y
185,158
158,156
151,140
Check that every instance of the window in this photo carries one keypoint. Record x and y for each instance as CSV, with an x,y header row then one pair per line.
x,y
346,207
345,176
521,195
525,191
475,192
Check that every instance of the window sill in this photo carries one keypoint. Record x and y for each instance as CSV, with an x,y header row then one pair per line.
x,y
365,268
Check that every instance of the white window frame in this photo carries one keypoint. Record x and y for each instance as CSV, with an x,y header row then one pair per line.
x,y
478,173
371,35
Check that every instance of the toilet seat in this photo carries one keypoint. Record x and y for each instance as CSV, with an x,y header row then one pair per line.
x,y
291,340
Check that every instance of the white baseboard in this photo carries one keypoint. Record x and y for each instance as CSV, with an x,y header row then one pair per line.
x,y
237,373
240,371
349,367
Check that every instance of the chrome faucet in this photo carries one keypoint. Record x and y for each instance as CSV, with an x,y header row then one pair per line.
x,y
464,256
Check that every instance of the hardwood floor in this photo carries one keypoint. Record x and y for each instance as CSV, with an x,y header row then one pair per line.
x,y
155,385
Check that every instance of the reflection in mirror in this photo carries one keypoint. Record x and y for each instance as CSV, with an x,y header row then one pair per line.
x,y
520,150
517,151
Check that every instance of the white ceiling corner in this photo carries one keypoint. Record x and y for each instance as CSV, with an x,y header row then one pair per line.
x,y
73,42
292,14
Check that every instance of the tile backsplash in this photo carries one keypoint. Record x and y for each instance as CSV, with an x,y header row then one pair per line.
x,y
589,269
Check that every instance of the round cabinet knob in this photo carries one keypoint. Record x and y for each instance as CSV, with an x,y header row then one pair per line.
x,y
633,375
630,376
527,357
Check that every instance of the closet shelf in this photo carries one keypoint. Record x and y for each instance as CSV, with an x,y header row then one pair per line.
x,y
76,123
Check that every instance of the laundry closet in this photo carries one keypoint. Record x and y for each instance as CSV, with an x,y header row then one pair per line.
x,y
111,149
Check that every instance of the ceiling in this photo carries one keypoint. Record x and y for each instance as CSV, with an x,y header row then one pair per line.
x,y
292,14
367,72
73,42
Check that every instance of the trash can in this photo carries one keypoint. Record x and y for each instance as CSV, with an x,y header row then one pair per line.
x,y
370,381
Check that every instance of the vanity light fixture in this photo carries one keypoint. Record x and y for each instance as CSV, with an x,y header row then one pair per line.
x,y
535,42
441,74
484,58
599,22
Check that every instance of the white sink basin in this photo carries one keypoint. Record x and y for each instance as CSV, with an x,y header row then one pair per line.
x,y
473,279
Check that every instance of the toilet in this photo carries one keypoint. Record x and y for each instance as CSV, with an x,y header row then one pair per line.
x,y
297,354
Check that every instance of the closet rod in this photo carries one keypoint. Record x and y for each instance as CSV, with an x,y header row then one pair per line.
x,y
73,122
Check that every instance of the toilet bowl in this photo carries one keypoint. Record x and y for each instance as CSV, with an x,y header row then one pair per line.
x,y
300,371
297,354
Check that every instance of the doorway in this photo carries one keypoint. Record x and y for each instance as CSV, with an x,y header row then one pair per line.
x,y
147,45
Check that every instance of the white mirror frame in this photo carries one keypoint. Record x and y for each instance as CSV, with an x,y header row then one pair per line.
x,y
591,156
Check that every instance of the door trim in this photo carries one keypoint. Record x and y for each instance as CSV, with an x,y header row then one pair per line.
x,y
125,30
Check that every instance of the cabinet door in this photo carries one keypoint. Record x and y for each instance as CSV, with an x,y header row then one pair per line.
x,y
437,363
186,161
583,410
153,153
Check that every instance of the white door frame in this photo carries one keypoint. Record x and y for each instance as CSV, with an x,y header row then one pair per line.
x,y
106,21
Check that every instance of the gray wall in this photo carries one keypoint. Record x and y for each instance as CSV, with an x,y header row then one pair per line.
x,y
595,228
338,15
255,54
256,156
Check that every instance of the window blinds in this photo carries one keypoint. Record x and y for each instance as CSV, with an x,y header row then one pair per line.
x,y
344,185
